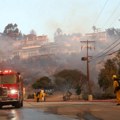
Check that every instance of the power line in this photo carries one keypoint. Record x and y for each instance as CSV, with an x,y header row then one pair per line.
x,y
118,5
107,47
97,18
113,42
106,51
108,55
114,52
116,18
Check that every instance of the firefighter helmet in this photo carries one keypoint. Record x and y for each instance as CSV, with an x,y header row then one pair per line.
x,y
114,76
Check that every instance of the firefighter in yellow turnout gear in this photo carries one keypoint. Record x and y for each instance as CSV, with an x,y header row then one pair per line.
x,y
116,88
35,97
40,96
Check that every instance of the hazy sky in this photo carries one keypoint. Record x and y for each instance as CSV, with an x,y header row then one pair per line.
x,y
72,16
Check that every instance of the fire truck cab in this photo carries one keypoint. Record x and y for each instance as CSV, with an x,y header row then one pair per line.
x,y
11,88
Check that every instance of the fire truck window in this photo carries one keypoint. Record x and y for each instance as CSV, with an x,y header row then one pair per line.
x,y
8,79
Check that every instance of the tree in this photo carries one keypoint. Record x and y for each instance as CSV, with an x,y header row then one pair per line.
x,y
11,30
67,79
105,76
113,32
112,66
78,90
117,61
44,82
59,31
94,28
33,32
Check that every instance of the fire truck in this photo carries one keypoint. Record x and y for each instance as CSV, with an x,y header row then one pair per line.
x,y
11,88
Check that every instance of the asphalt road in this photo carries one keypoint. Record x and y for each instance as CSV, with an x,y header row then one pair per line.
x,y
29,112
62,111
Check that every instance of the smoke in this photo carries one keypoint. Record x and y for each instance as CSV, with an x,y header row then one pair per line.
x,y
6,46
66,54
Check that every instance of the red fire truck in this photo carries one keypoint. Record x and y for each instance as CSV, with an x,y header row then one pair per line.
x,y
11,88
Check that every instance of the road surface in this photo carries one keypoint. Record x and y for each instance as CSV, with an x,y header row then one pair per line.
x,y
63,111
29,112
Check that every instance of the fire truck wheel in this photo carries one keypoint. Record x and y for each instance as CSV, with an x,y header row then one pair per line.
x,y
18,104
0,106
22,104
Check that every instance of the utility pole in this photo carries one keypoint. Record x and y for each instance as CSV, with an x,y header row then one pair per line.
x,y
87,62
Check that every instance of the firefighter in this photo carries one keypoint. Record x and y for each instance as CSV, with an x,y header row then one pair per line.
x,y
35,97
116,88
42,95
38,96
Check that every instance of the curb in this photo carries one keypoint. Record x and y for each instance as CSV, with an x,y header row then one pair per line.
x,y
110,100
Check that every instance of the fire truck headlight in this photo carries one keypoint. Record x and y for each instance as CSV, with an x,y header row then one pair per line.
x,y
13,91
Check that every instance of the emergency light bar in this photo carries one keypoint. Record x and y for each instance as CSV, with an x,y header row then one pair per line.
x,y
7,72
